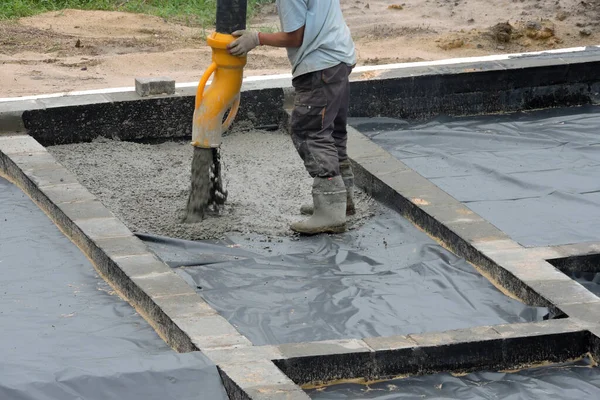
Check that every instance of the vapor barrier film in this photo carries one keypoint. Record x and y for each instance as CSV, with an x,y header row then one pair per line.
x,y
569,381
385,278
66,336
533,175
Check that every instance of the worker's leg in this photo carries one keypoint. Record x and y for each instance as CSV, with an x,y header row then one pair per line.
x,y
317,102
337,89
315,109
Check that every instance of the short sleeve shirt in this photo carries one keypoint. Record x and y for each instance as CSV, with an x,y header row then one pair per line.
x,y
327,40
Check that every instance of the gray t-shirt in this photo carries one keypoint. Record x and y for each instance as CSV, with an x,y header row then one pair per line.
x,y
327,40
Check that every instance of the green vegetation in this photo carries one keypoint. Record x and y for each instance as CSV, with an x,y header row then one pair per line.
x,y
189,12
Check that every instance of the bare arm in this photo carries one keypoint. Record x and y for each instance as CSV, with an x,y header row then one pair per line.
x,y
282,39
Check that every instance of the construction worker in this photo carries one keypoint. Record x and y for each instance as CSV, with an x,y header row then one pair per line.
x,y
322,55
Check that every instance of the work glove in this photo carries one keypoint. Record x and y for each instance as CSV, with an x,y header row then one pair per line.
x,y
246,41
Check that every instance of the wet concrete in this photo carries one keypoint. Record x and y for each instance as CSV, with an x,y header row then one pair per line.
x,y
147,185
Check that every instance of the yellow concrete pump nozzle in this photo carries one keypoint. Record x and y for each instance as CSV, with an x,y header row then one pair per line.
x,y
223,94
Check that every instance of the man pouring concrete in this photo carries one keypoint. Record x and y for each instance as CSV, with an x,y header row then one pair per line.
x,y
322,55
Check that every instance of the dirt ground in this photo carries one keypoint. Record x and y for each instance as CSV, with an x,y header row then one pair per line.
x,y
79,50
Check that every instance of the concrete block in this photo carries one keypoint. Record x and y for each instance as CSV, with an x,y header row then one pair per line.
x,y
256,374
122,246
277,392
244,355
31,161
532,329
142,265
154,86
446,213
561,292
159,283
478,231
74,100
212,325
51,174
587,312
68,193
19,144
390,343
98,228
222,341
292,350
184,305
85,210
11,114
476,334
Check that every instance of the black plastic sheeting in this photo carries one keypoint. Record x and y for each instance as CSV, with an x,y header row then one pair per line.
x,y
66,336
589,280
386,278
569,381
533,175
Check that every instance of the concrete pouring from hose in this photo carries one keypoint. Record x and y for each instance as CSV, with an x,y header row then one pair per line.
x,y
223,94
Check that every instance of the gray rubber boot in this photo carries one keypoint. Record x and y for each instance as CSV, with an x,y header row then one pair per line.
x,y
348,177
329,198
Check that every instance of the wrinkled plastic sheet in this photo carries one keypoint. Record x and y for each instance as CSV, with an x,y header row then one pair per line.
x,y
65,335
569,381
589,280
386,278
533,175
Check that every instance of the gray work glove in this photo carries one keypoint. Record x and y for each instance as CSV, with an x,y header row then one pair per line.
x,y
246,41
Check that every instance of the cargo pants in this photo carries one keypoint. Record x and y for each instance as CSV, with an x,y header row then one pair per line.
x,y
319,119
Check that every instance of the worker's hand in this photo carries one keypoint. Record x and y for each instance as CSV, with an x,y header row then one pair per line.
x,y
246,41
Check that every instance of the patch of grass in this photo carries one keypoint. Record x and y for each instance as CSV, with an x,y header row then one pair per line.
x,y
188,12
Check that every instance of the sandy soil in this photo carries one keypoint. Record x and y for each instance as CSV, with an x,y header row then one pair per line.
x,y
264,175
78,50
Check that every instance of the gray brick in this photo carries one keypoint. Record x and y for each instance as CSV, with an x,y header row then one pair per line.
x,y
244,355
68,193
277,392
561,292
257,374
122,246
141,265
51,175
154,86
537,328
98,228
74,100
156,284
390,342
185,305
19,144
85,210
291,350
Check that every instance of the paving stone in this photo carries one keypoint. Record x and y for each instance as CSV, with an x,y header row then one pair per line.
x,y
477,231
446,212
537,328
402,181
561,292
31,161
277,392
528,269
489,247
587,312
85,209
221,341
68,193
156,284
428,195
142,265
184,305
74,100
291,350
50,175
19,144
122,246
256,374
213,325
98,228
244,355
154,86
390,342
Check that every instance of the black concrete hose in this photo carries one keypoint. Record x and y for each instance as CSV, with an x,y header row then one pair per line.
x,y
231,15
